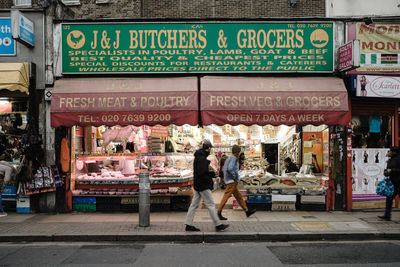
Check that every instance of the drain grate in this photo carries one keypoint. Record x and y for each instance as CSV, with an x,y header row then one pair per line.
x,y
309,217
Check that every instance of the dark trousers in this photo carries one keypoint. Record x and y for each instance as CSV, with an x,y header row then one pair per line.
x,y
389,204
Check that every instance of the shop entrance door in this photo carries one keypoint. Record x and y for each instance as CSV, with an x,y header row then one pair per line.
x,y
270,153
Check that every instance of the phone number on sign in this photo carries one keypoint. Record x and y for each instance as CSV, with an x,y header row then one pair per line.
x,y
118,118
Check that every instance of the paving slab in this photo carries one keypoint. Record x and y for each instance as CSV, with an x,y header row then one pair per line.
x,y
169,227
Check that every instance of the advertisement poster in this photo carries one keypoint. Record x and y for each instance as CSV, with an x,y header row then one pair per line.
x,y
378,86
197,47
379,46
368,166
312,150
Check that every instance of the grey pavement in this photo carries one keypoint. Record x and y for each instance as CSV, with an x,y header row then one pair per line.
x,y
168,226
322,253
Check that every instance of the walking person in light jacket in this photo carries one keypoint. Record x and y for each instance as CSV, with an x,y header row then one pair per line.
x,y
231,177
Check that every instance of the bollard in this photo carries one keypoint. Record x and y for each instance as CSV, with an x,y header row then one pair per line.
x,y
144,199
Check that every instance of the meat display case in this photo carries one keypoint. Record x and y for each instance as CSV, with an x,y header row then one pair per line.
x,y
118,174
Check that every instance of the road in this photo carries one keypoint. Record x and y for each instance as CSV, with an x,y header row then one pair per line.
x,y
227,254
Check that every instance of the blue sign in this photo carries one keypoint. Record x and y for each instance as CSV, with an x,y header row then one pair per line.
x,y
26,31
7,43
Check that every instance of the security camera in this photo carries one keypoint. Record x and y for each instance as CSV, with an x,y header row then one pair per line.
x,y
293,3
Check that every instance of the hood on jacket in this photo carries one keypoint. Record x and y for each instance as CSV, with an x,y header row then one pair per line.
x,y
201,152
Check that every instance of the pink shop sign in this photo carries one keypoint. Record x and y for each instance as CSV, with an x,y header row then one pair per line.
x,y
378,86
349,56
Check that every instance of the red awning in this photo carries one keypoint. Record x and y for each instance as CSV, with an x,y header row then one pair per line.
x,y
274,101
124,101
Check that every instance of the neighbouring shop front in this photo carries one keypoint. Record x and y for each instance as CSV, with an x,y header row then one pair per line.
x,y
14,104
162,120
374,107
22,79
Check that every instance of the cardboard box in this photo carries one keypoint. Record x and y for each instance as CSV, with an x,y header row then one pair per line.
x,y
312,199
284,198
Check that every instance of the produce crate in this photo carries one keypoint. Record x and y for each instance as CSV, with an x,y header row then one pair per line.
x,y
23,205
259,206
313,199
84,207
129,201
258,198
9,205
283,206
180,203
84,200
284,198
9,193
108,200
160,207
108,207
129,207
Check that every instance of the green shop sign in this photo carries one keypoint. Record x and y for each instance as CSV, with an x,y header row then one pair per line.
x,y
197,47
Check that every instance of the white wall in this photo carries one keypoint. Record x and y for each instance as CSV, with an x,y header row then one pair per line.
x,y
342,8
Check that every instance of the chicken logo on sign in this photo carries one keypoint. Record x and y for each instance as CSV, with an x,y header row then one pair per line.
x,y
319,38
76,39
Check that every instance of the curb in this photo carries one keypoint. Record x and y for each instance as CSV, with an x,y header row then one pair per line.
x,y
207,237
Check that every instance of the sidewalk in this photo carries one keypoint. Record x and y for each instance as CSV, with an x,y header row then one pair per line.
x,y
168,227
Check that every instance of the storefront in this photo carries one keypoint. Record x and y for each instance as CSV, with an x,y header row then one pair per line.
x,y
311,106
22,78
162,118
374,107
14,103
270,118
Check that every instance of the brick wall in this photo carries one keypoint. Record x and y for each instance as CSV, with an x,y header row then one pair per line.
x,y
6,3
88,9
116,9
232,8
10,3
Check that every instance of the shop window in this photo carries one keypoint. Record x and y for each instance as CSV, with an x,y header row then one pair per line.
x,y
13,121
22,2
71,2
103,1
372,131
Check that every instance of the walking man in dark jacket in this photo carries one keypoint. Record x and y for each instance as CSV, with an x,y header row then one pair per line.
x,y
393,171
203,184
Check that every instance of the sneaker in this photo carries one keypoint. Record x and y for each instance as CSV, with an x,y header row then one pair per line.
x,y
2,214
191,228
384,218
221,227
222,218
250,212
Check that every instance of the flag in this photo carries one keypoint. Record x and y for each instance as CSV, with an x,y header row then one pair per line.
x,y
389,59
369,59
